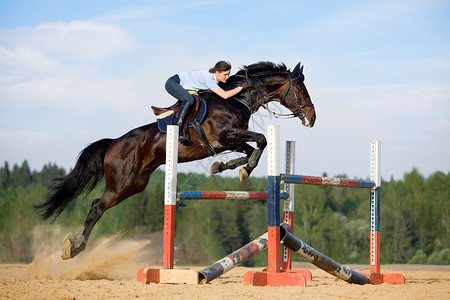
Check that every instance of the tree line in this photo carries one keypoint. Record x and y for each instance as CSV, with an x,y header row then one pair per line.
x,y
415,217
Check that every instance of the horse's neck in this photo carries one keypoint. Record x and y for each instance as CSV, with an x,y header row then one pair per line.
x,y
258,95
246,101
258,98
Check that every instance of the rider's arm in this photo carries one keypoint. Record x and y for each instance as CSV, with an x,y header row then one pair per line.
x,y
227,94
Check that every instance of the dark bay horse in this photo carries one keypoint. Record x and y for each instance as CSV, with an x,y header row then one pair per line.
x,y
128,161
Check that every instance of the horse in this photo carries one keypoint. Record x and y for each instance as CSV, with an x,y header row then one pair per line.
x,y
127,162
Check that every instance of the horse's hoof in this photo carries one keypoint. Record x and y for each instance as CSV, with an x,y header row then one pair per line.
x,y
243,174
67,246
215,167
72,247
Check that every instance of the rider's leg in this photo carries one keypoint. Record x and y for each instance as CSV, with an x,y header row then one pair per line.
x,y
174,88
182,115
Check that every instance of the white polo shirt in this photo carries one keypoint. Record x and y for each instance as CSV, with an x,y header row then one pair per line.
x,y
198,80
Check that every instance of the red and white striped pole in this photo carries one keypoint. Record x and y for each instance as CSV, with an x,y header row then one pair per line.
x,y
170,195
234,259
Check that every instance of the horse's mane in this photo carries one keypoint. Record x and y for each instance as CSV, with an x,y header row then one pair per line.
x,y
261,67
253,69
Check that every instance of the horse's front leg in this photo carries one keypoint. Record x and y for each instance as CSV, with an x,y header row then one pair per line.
x,y
253,161
242,137
218,166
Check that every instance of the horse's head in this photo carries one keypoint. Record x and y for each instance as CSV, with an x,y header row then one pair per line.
x,y
275,82
295,97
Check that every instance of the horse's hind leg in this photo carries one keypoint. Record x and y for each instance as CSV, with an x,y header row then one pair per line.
x,y
74,246
109,199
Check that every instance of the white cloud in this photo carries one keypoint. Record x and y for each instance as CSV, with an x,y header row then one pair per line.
x,y
76,40
74,94
25,61
57,66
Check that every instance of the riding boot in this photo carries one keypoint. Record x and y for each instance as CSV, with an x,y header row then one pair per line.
x,y
182,116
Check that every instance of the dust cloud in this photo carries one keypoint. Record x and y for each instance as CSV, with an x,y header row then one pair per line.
x,y
105,258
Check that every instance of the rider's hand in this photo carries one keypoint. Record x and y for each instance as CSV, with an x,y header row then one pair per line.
x,y
246,84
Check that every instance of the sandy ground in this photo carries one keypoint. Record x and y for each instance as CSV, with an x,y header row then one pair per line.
x,y
108,271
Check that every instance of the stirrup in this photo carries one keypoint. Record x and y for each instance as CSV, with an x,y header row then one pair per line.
x,y
183,139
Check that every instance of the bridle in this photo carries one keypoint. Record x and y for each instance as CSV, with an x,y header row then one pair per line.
x,y
298,110
260,100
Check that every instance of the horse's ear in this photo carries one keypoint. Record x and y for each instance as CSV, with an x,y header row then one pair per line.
x,y
297,70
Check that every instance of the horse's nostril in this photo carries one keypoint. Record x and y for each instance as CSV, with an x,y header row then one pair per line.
x,y
313,120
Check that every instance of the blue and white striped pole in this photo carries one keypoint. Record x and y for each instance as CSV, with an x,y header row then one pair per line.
x,y
273,201
375,176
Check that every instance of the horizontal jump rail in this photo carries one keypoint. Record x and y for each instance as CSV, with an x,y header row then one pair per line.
x,y
226,195
234,259
329,181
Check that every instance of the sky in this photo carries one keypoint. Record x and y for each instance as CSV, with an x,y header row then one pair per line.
x,y
73,72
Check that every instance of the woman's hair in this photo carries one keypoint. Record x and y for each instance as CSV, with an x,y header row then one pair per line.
x,y
221,66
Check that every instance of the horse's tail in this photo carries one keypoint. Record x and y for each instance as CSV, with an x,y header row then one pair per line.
x,y
84,177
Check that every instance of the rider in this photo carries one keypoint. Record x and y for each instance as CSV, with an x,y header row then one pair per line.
x,y
179,84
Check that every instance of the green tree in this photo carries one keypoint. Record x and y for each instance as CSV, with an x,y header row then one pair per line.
x,y
48,174
155,207
5,176
437,203
21,176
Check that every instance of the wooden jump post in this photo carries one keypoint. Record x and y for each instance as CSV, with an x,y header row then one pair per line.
x,y
288,216
167,274
274,274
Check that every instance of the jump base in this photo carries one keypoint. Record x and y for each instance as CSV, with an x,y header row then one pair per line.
x,y
391,278
147,276
284,278
306,273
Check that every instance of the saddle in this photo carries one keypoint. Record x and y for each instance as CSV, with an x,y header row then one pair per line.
x,y
169,115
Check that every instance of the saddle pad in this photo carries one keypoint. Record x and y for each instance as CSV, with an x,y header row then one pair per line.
x,y
171,119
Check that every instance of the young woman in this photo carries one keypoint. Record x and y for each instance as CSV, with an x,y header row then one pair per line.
x,y
179,84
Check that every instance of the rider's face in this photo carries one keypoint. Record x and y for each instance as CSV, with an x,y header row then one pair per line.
x,y
222,76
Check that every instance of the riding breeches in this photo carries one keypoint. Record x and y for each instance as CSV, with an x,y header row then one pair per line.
x,y
174,88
